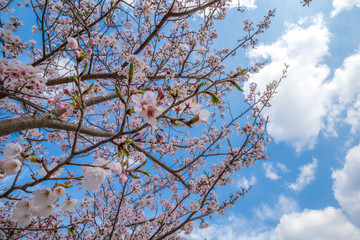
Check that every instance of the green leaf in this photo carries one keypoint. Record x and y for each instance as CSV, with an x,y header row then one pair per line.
x,y
142,164
140,92
134,176
28,148
145,172
85,69
240,72
214,98
199,86
237,86
118,93
126,162
131,70
89,88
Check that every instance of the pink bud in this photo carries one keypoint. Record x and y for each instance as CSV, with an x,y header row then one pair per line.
x,y
89,51
62,105
91,42
123,178
63,116
160,102
152,89
137,133
52,101
77,53
66,91
160,90
72,43
70,180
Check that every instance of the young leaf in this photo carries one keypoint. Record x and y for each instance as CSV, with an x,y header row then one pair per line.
x,y
131,70
240,72
237,86
214,98
118,93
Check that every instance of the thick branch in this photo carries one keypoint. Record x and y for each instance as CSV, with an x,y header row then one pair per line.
x,y
49,120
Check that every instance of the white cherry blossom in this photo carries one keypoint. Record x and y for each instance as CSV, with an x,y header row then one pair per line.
x,y
12,150
10,166
93,178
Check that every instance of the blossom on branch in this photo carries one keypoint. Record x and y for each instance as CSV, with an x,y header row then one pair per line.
x,y
147,107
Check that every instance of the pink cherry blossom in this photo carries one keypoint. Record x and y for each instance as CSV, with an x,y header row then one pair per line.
x,y
115,167
77,53
91,41
123,178
147,108
72,43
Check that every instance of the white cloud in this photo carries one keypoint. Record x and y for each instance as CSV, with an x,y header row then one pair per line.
x,y
270,172
329,224
346,185
342,5
245,183
282,167
345,89
283,206
306,176
249,4
301,102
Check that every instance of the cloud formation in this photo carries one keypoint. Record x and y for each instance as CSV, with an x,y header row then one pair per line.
x,y
306,176
301,102
270,172
346,185
246,183
329,224
343,5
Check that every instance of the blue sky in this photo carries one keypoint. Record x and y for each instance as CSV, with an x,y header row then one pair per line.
x,y
309,188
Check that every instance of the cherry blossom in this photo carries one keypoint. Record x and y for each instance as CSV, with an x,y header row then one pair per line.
x,y
123,107
72,43
10,166
93,178
147,108
12,150
22,212
69,205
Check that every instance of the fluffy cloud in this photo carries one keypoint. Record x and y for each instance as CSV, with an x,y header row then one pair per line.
x,y
329,224
342,5
245,183
346,185
284,205
301,102
270,172
306,176
249,4
345,90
